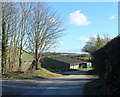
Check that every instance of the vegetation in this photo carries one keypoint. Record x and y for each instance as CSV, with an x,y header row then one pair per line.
x,y
93,88
50,54
60,71
106,66
85,69
95,43
35,74
75,56
46,28
33,27
79,56
30,26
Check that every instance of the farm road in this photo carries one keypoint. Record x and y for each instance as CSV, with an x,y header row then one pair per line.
x,y
71,84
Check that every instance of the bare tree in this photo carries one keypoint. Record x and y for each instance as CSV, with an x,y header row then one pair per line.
x,y
13,37
46,28
29,26
6,14
10,24
24,15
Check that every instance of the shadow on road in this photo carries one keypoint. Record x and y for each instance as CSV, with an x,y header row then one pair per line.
x,y
66,85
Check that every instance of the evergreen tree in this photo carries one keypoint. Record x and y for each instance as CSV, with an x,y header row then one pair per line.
x,y
95,43
99,43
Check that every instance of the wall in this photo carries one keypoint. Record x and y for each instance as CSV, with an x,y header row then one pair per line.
x,y
74,66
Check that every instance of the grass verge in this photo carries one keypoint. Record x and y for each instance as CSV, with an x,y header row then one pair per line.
x,y
93,87
84,69
60,71
35,74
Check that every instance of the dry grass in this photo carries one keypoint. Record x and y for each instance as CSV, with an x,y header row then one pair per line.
x,y
35,74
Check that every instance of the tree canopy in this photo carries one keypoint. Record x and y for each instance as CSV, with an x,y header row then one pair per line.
x,y
95,43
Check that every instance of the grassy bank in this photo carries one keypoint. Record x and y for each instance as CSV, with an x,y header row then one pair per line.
x,y
35,74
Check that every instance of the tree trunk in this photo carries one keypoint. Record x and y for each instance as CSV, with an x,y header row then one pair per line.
x,y
14,62
7,49
20,58
40,56
9,61
3,45
36,56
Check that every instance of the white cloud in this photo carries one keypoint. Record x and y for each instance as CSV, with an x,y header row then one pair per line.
x,y
61,43
83,39
112,17
78,18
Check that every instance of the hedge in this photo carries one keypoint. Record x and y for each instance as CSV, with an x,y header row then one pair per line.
x,y
106,62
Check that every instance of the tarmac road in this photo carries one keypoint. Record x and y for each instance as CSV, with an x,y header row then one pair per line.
x,y
66,85
70,84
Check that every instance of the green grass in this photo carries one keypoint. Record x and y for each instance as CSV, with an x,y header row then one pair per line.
x,y
35,74
84,69
60,71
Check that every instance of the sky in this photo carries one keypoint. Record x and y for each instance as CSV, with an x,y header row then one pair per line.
x,y
82,20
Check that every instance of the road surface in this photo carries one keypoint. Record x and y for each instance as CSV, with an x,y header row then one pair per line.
x,y
70,84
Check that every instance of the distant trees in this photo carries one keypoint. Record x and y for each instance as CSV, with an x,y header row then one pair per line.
x,y
95,43
27,26
51,54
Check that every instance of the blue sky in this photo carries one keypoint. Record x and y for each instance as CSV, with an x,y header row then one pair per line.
x,y
82,19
